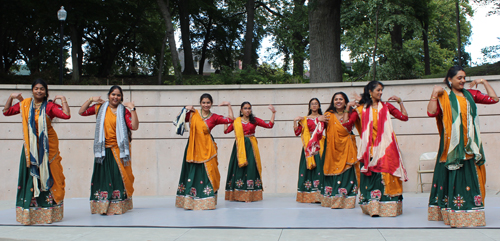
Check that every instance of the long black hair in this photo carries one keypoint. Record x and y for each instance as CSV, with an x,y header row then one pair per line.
x,y
251,117
208,96
332,108
44,84
365,97
309,106
451,73
113,88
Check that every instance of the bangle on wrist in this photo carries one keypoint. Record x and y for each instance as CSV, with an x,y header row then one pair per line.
x,y
91,100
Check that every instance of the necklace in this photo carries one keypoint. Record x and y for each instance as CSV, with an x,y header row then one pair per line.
x,y
339,113
204,117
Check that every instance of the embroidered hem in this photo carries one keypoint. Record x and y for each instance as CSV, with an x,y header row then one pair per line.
x,y
309,197
191,203
244,195
111,207
36,215
341,202
456,218
382,209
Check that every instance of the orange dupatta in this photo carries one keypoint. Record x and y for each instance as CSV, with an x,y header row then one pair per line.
x,y
240,146
341,152
202,148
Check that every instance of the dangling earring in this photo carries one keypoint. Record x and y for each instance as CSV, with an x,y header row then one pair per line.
x,y
371,96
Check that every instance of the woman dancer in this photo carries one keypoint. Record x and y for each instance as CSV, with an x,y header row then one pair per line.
x,y
310,168
112,188
457,193
381,186
40,191
244,176
341,167
200,178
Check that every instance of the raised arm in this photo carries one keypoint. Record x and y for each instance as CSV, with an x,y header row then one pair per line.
x,y
87,104
133,115
489,90
229,109
296,127
64,104
401,106
432,107
13,96
273,110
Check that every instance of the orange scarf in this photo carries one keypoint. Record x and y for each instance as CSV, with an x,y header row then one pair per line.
x,y
342,152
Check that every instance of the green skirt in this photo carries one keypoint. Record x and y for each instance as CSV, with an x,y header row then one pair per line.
x,y
310,182
195,191
372,199
107,191
243,183
456,196
30,209
340,191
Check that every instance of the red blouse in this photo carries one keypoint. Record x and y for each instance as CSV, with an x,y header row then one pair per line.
x,y
213,120
128,115
249,128
52,110
479,98
392,110
310,124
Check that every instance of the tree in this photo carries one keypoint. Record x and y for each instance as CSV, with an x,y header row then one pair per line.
x,y
324,36
164,9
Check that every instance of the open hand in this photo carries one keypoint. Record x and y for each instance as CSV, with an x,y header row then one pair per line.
x,y
271,107
224,103
130,105
476,82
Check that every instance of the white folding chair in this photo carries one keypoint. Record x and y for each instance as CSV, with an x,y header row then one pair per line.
x,y
425,166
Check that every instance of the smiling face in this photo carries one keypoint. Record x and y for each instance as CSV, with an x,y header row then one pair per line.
x,y
39,92
458,81
206,104
314,106
115,98
377,93
339,102
246,110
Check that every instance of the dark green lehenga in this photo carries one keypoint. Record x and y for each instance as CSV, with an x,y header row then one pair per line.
x,y
107,191
456,196
30,209
243,183
310,182
372,199
195,191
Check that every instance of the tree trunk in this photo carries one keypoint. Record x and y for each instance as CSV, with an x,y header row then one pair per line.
x,y
427,61
397,37
162,59
75,45
324,35
459,43
171,39
247,52
204,47
186,40
375,47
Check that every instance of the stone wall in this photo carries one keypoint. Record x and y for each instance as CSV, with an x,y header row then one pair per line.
x,y
157,151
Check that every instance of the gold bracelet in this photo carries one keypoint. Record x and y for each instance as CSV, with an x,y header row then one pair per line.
x,y
64,102
91,100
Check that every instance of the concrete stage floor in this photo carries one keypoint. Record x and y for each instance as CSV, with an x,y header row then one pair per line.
x,y
276,211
